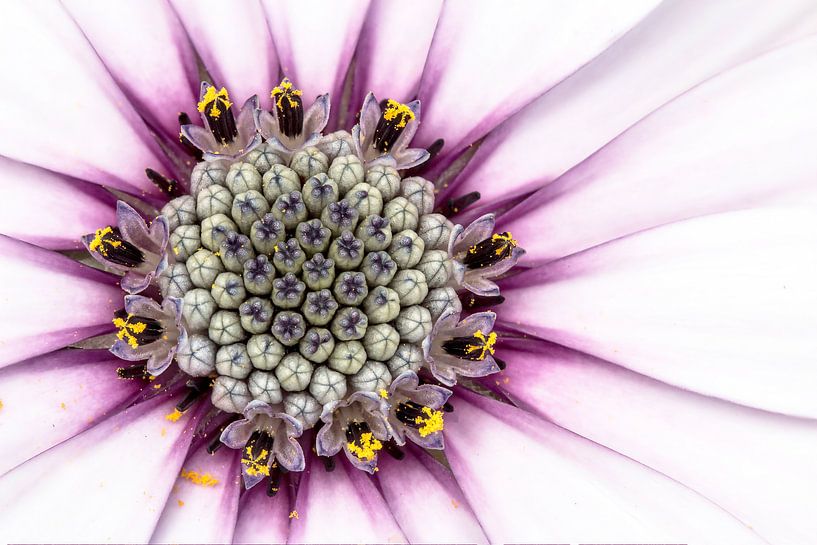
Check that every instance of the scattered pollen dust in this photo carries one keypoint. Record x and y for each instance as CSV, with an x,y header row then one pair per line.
x,y
181,503
63,406
1,404
455,503
294,515
201,479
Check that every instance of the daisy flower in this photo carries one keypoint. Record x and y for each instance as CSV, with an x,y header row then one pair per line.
x,y
367,272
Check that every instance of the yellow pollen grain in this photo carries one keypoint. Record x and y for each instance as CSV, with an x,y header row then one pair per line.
x,y
285,90
63,406
157,386
174,416
128,331
294,515
432,422
201,479
506,241
384,393
211,96
485,347
395,109
1,404
180,503
256,465
101,244
367,449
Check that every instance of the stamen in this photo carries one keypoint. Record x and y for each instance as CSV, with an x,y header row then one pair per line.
x,y
184,119
289,108
165,184
196,387
215,105
361,441
490,251
392,122
133,371
424,419
472,301
448,407
257,454
394,451
274,480
108,243
328,463
500,363
455,206
216,443
136,330
474,348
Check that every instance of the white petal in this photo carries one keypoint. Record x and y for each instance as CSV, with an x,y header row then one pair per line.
x,y
107,485
723,305
745,460
531,481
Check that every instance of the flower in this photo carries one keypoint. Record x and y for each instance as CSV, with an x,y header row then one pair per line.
x,y
655,164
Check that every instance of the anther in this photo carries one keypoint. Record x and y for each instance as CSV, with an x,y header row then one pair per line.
x,y
195,388
136,330
475,348
394,451
133,371
184,119
217,110
500,363
328,463
361,442
393,121
216,443
108,243
288,108
472,301
274,480
448,407
165,184
455,206
490,251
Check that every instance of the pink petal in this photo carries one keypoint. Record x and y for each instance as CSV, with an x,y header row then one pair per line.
x,y
419,485
743,459
49,301
262,519
61,108
394,33
674,48
202,512
531,481
723,305
38,208
486,63
108,484
342,506
740,140
53,397
242,59
315,41
161,80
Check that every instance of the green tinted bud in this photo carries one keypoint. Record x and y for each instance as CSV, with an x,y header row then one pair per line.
x,y
381,341
350,288
413,324
288,327
230,395
378,268
225,328
366,199
185,240
319,307
280,180
233,361
401,214
180,211
346,251
349,324
214,230
313,236
385,179
265,387
436,267
347,357
406,249
419,192
203,267
375,232
318,272
317,345
256,315
248,207
175,281
265,352
258,275
294,372
381,305
207,173
347,171
340,216
267,233
439,300
288,256
303,407
228,290
213,200
411,287
435,230
198,309
318,192
327,385
197,356
288,291
372,377
242,177
308,162
263,158
408,357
